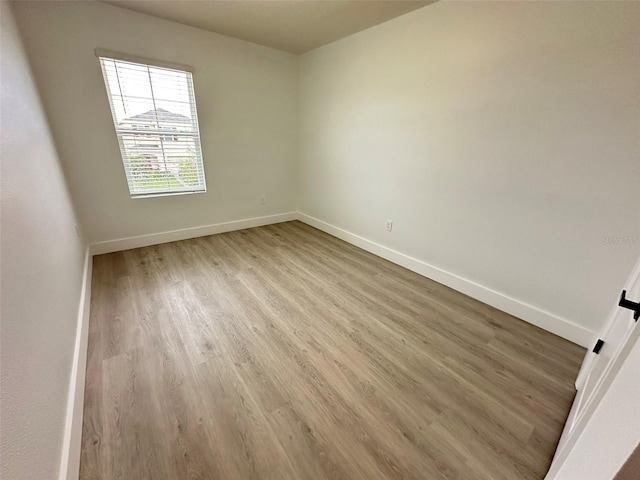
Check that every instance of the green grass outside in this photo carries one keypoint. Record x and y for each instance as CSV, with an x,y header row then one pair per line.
x,y
157,180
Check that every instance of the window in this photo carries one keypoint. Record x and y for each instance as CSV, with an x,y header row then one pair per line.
x,y
154,113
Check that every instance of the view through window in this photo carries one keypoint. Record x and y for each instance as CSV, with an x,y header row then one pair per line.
x,y
154,113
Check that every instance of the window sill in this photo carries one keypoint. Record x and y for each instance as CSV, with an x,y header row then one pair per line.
x,y
166,194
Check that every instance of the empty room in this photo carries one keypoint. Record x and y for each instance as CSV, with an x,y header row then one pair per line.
x,y
309,240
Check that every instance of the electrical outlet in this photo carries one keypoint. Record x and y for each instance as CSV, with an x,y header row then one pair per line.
x,y
263,200
389,225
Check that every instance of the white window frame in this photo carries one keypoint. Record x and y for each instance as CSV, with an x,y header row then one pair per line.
x,y
194,133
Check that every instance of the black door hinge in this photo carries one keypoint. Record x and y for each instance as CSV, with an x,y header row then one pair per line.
x,y
598,346
633,306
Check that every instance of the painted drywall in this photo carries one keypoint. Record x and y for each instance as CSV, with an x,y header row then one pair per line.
x,y
246,100
41,270
502,139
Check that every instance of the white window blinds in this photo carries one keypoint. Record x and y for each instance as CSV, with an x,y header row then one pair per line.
x,y
154,113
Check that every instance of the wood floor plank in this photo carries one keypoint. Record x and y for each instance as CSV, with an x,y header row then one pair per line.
x,y
281,352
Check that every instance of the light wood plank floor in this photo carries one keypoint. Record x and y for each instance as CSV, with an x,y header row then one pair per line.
x,y
281,352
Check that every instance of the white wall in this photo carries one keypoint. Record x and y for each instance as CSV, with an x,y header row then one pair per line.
x,y
246,103
503,140
41,267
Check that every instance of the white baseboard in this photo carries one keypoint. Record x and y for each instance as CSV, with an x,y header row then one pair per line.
x,y
183,234
546,320
70,460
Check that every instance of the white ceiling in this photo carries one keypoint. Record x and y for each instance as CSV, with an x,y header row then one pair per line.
x,y
295,26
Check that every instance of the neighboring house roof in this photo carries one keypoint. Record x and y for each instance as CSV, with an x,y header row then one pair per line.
x,y
159,115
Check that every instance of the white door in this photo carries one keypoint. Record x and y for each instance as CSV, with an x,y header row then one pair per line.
x,y
598,369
